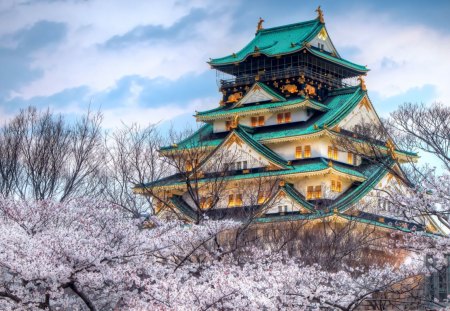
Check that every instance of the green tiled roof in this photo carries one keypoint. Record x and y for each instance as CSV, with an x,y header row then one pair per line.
x,y
196,140
298,197
336,60
285,40
275,41
339,104
260,148
225,111
301,166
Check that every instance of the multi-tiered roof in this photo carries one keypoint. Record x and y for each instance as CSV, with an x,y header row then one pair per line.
x,y
289,86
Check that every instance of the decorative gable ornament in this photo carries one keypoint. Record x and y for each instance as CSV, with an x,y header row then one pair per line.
x,y
259,93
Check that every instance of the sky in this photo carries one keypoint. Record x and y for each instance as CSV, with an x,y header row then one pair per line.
x,y
145,61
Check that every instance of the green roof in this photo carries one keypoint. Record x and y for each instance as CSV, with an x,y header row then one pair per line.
x,y
275,41
227,111
285,40
300,166
339,104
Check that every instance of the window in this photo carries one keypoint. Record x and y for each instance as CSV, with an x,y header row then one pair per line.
x,y
284,117
307,153
280,209
235,200
238,165
262,197
298,152
260,120
309,192
332,152
231,200
257,121
320,45
238,200
228,125
314,192
188,166
350,158
205,202
336,186
280,118
317,192
287,117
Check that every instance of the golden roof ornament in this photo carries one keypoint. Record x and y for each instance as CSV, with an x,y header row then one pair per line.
x,y
235,122
259,26
330,163
362,83
320,15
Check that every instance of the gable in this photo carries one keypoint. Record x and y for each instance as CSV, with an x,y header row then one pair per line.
x,y
362,113
235,149
259,93
284,203
323,39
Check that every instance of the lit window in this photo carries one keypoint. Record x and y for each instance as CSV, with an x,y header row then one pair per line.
x,y
230,200
260,120
336,186
188,166
307,151
254,121
262,197
298,152
205,202
287,117
238,201
309,192
280,118
318,192
350,158
332,152
228,125
284,117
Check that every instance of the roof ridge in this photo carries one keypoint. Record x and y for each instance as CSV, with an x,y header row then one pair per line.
x,y
293,25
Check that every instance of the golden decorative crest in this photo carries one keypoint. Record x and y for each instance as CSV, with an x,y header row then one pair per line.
x,y
291,88
316,127
310,90
234,139
330,163
235,122
322,34
259,26
320,15
362,83
365,103
282,183
235,97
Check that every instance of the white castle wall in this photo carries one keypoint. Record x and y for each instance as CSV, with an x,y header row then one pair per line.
x,y
297,115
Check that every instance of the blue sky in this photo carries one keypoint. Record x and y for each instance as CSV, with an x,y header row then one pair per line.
x,y
145,61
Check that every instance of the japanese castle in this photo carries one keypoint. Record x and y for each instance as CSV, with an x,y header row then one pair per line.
x,y
287,98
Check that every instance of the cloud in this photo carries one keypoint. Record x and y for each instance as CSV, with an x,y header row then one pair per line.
x,y
182,30
18,49
401,57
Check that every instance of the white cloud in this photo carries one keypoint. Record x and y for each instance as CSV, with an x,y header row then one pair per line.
x,y
78,61
401,57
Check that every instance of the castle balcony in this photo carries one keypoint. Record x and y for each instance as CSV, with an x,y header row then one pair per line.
x,y
328,80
